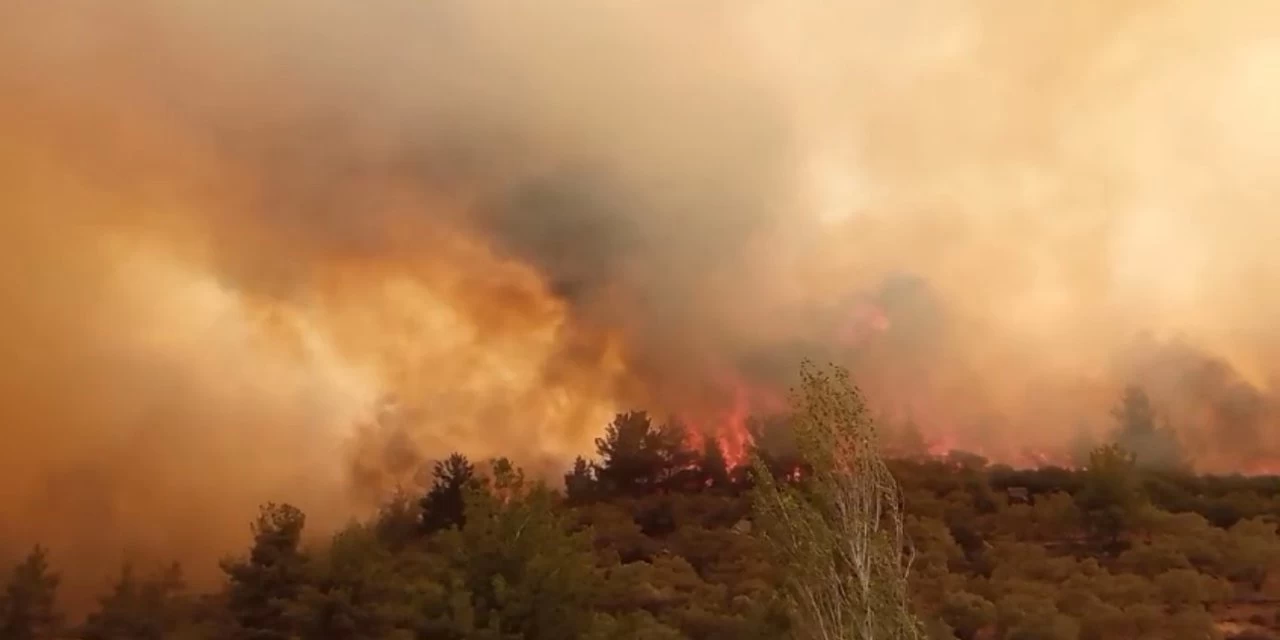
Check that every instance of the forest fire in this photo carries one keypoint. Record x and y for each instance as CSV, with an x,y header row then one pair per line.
x,y
228,236
727,424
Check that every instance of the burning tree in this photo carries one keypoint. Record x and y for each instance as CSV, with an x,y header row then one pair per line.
x,y
839,531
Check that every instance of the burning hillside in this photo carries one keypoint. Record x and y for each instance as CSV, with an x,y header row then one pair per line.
x,y
296,249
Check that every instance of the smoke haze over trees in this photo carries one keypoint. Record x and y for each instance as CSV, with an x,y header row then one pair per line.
x,y
302,250
819,541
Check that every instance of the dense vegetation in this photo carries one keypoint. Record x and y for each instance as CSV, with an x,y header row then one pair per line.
x,y
657,540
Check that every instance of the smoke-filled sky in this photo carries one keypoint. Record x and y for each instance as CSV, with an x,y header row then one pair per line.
x,y
292,249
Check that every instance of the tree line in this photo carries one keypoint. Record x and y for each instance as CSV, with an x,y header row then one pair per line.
x,y
819,537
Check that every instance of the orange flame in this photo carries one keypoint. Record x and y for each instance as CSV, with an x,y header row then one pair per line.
x,y
727,422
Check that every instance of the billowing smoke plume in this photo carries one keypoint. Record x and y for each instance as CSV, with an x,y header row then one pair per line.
x,y
291,250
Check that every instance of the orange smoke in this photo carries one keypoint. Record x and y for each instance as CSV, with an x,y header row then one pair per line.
x,y
298,249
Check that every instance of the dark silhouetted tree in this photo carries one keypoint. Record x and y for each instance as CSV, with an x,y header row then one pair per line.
x,y
670,445
636,456
27,606
580,482
625,461
713,465
399,521
263,586
147,608
773,442
1135,415
444,506
1153,446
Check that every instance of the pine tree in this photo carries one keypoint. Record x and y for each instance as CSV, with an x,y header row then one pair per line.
x,y
27,607
713,465
580,483
443,506
1153,446
263,586
360,589
138,608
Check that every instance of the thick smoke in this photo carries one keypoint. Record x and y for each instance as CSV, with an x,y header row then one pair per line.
x,y
292,250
